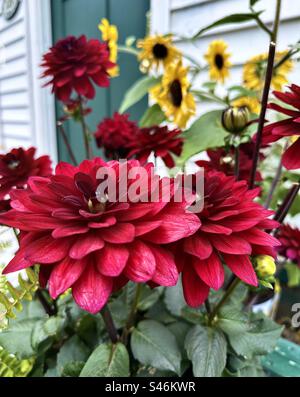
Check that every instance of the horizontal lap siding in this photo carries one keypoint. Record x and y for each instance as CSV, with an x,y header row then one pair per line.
x,y
15,113
186,17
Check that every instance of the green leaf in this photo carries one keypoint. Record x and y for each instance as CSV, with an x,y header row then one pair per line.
x,y
232,321
206,348
174,299
259,339
234,18
238,91
206,132
293,273
17,338
107,360
72,369
148,297
46,331
74,350
209,97
153,116
139,89
253,2
153,344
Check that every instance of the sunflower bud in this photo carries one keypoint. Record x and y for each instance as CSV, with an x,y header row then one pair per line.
x,y
235,119
265,266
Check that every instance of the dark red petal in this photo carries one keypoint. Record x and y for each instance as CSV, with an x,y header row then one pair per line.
x,y
85,245
112,259
166,272
242,267
64,275
141,264
291,158
47,250
92,290
119,234
198,246
231,244
194,289
210,270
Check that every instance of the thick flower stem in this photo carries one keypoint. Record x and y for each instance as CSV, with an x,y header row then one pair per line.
x,y
262,115
66,141
109,324
85,131
132,314
223,300
287,203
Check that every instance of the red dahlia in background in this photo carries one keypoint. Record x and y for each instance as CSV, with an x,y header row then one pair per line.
x,y
289,238
15,169
159,140
288,127
74,64
223,160
90,246
232,229
115,135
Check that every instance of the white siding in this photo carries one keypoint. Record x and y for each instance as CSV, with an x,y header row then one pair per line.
x,y
26,109
186,17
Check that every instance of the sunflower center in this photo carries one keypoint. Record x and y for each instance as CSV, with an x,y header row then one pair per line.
x,y
160,51
176,93
219,61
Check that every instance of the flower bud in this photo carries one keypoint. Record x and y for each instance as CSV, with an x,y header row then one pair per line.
x,y
235,119
265,266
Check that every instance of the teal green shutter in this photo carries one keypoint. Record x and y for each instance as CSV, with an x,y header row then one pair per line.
x,y
76,17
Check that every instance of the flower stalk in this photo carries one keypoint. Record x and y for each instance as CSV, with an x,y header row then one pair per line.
x,y
109,324
85,130
132,314
66,141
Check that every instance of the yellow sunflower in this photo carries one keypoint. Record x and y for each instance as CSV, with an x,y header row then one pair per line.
x,y
157,50
110,35
255,69
173,95
251,103
218,60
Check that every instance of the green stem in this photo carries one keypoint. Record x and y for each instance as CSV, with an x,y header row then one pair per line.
x,y
85,131
128,50
276,21
132,314
237,162
109,324
224,299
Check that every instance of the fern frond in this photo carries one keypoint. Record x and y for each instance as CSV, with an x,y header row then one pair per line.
x,y
12,367
11,297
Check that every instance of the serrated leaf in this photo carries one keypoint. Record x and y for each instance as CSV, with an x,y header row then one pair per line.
x,y
73,350
206,348
206,132
153,344
259,339
107,360
234,18
139,89
153,116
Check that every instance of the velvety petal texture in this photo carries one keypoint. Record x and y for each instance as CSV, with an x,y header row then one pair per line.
x,y
232,230
94,247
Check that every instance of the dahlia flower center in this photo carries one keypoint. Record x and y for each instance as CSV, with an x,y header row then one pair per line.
x,y
96,207
176,93
160,51
219,61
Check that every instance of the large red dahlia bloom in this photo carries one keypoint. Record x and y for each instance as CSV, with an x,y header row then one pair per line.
x,y
289,238
159,140
75,64
223,160
18,165
232,229
288,127
92,246
115,135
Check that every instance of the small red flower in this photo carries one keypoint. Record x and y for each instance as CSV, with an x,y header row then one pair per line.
x,y
288,127
222,160
290,243
116,134
17,166
91,246
232,229
74,64
159,140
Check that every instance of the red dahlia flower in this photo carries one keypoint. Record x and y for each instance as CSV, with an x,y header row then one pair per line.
x,y
159,140
90,246
74,64
222,160
232,229
18,165
288,127
116,134
289,238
